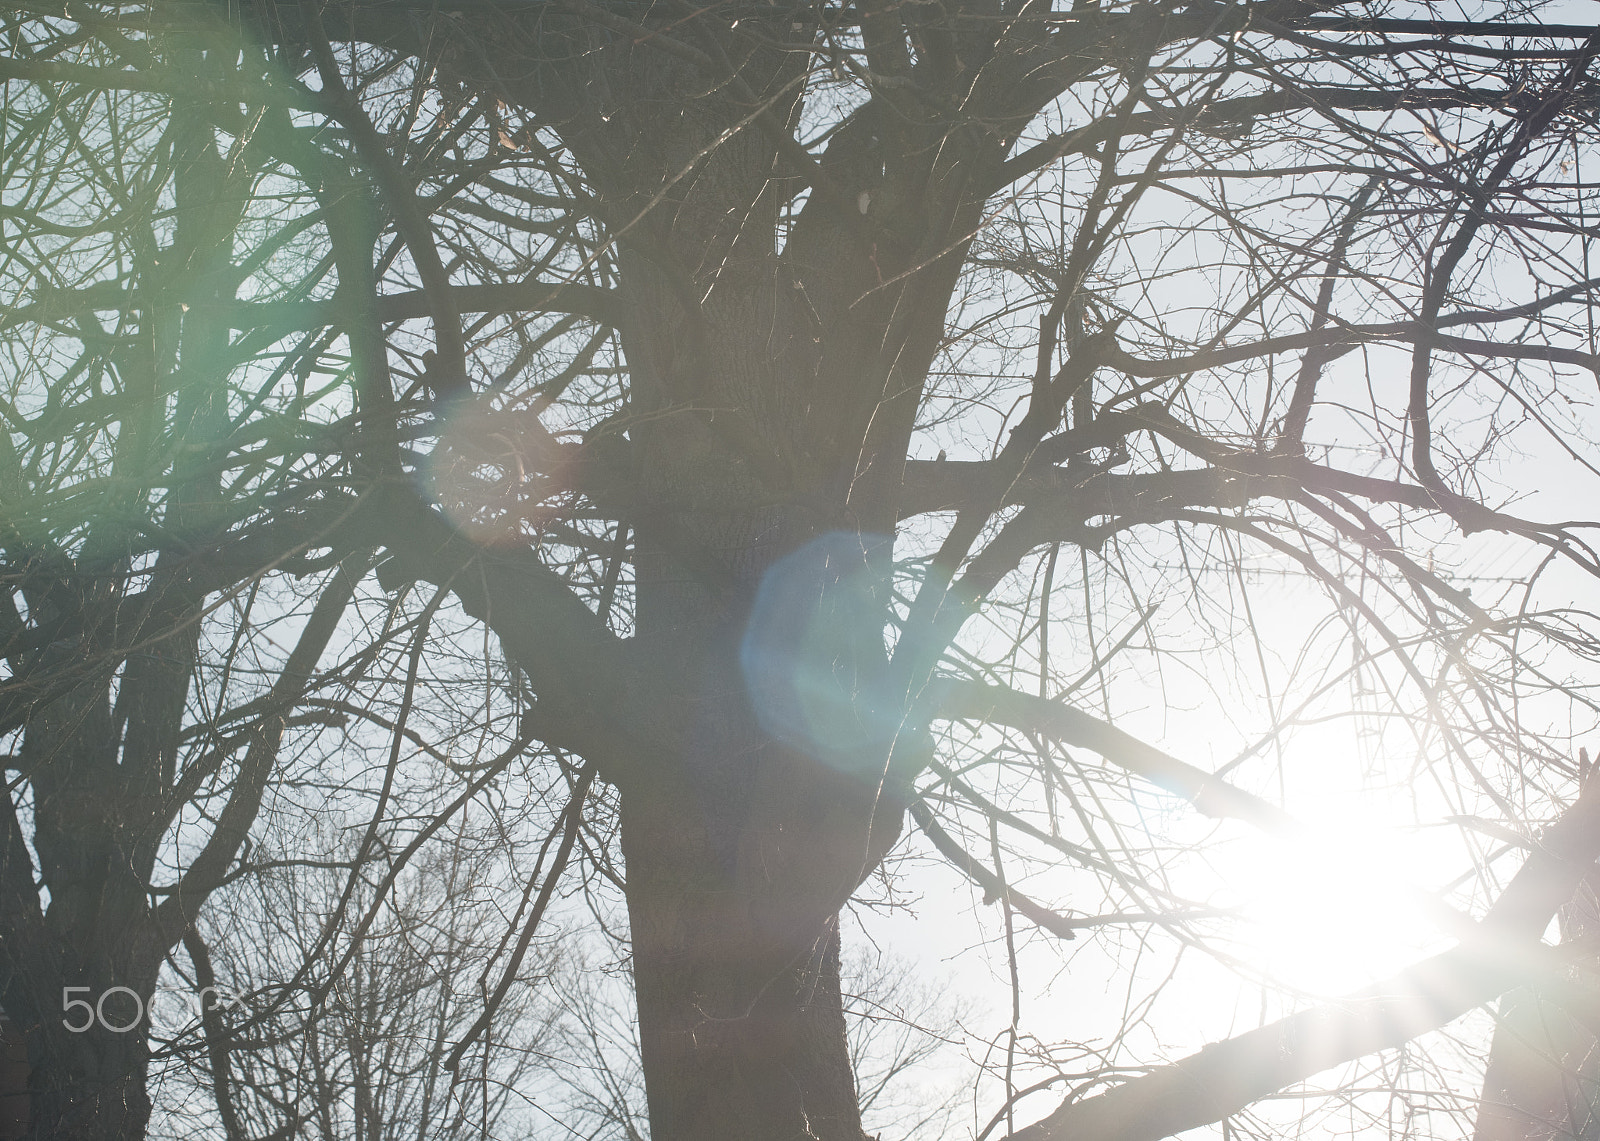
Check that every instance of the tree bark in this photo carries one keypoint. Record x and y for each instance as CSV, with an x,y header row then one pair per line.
x,y
91,1088
16,1105
95,936
740,1019
1542,1082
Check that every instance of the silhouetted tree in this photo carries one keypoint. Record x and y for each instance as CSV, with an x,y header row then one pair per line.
x,y
760,375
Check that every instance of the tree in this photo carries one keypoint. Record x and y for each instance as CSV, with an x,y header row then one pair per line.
x,y
357,1048
123,727
630,332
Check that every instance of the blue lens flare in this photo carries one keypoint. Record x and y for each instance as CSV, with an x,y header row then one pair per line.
x,y
813,654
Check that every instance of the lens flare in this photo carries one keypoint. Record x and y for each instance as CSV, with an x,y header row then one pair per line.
x,y
813,653
493,469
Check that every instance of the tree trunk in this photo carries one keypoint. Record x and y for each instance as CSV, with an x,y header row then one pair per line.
x,y
1543,1078
767,604
16,1104
740,1019
84,1084
93,1088
766,807
740,848
1542,1082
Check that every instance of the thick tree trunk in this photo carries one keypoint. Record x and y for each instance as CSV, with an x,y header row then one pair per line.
x,y
77,973
771,799
92,1089
85,1084
1542,1082
747,834
740,1019
739,851
1543,1079
16,1103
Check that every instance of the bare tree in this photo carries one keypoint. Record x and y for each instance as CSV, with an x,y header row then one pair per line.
x,y
356,1048
765,378
129,539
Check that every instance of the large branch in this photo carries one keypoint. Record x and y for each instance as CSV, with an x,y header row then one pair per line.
x,y
590,693
1348,337
975,701
599,305
1066,500
1486,29
1087,39
161,82
1226,1077
1237,116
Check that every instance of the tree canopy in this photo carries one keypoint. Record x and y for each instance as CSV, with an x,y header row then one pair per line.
x,y
491,479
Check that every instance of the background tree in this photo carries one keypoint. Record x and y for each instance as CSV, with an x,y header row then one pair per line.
x,y
128,541
759,376
356,1048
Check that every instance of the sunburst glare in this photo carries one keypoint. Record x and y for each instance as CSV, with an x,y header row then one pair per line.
x,y
1330,909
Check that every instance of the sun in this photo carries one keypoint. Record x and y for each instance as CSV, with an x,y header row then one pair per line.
x,y
1341,901
1330,910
